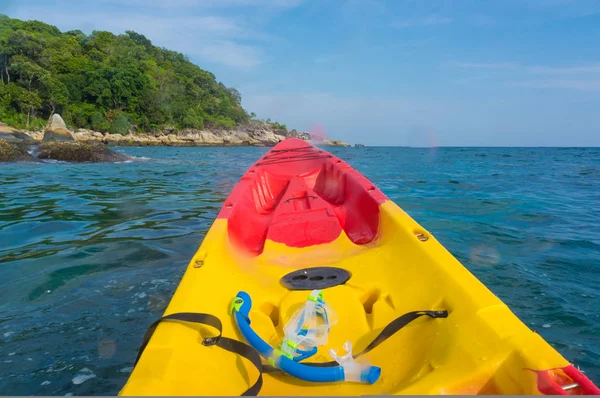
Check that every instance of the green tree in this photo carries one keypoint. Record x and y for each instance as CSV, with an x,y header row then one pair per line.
x,y
106,81
121,124
99,123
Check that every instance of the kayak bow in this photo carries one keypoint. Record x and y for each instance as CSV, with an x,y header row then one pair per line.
x,y
302,220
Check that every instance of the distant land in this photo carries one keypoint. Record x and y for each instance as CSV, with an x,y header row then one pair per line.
x,y
120,90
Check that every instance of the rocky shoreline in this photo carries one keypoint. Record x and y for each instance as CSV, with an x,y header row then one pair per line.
x,y
249,135
58,142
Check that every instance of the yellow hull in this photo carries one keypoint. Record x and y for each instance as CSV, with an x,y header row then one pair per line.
x,y
480,348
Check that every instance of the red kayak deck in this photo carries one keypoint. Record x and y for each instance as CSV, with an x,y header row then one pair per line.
x,y
300,195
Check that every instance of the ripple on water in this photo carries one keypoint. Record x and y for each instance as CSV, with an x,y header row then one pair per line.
x,y
91,254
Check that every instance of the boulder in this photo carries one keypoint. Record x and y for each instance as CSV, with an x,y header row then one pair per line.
x,y
13,135
4,128
38,136
208,138
233,139
78,152
113,139
267,137
56,122
334,143
26,138
57,131
10,138
13,152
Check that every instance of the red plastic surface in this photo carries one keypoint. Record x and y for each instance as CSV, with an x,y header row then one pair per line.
x,y
552,381
301,195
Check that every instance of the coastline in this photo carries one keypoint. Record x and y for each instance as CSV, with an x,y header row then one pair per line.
x,y
244,135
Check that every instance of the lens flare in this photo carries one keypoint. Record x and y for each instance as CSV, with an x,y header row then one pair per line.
x,y
484,255
432,141
318,133
107,348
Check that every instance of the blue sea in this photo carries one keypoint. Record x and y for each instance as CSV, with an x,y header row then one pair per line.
x,y
90,254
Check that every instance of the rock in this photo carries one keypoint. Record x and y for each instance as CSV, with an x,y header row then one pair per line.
x,y
206,138
56,122
10,138
113,139
255,134
13,135
4,128
232,140
26,138
38,136
334,143
13,152
78,152
57,131
61,135
267,137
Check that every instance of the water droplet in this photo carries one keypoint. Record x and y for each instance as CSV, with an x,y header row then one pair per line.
x,y
107,348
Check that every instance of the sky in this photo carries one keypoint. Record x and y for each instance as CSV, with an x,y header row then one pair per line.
x,y
397,72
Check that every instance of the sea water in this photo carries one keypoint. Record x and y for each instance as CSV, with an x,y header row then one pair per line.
x,y
90,254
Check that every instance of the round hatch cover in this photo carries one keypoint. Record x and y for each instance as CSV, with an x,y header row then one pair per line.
x,y
315,278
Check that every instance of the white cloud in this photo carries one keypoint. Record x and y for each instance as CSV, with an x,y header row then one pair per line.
x,y
579,85
211,3
536,69
394,120
430,20
197,28
574,77
569,70
371,119
484,65
231,54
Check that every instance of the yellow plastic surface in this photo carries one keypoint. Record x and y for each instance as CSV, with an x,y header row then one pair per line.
x,y
481,348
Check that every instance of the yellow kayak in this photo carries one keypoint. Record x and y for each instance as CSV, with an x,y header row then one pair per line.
x,y
312,282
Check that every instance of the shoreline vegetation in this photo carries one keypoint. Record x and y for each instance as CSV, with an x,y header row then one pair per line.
x,y
118,90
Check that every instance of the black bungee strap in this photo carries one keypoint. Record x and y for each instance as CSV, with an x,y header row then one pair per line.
x,y
235,346
246,351
387,332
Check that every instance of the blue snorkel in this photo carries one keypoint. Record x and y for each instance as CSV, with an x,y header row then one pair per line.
x,y
348,370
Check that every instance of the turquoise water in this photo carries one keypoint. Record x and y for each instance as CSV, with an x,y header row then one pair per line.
x,y
91,253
